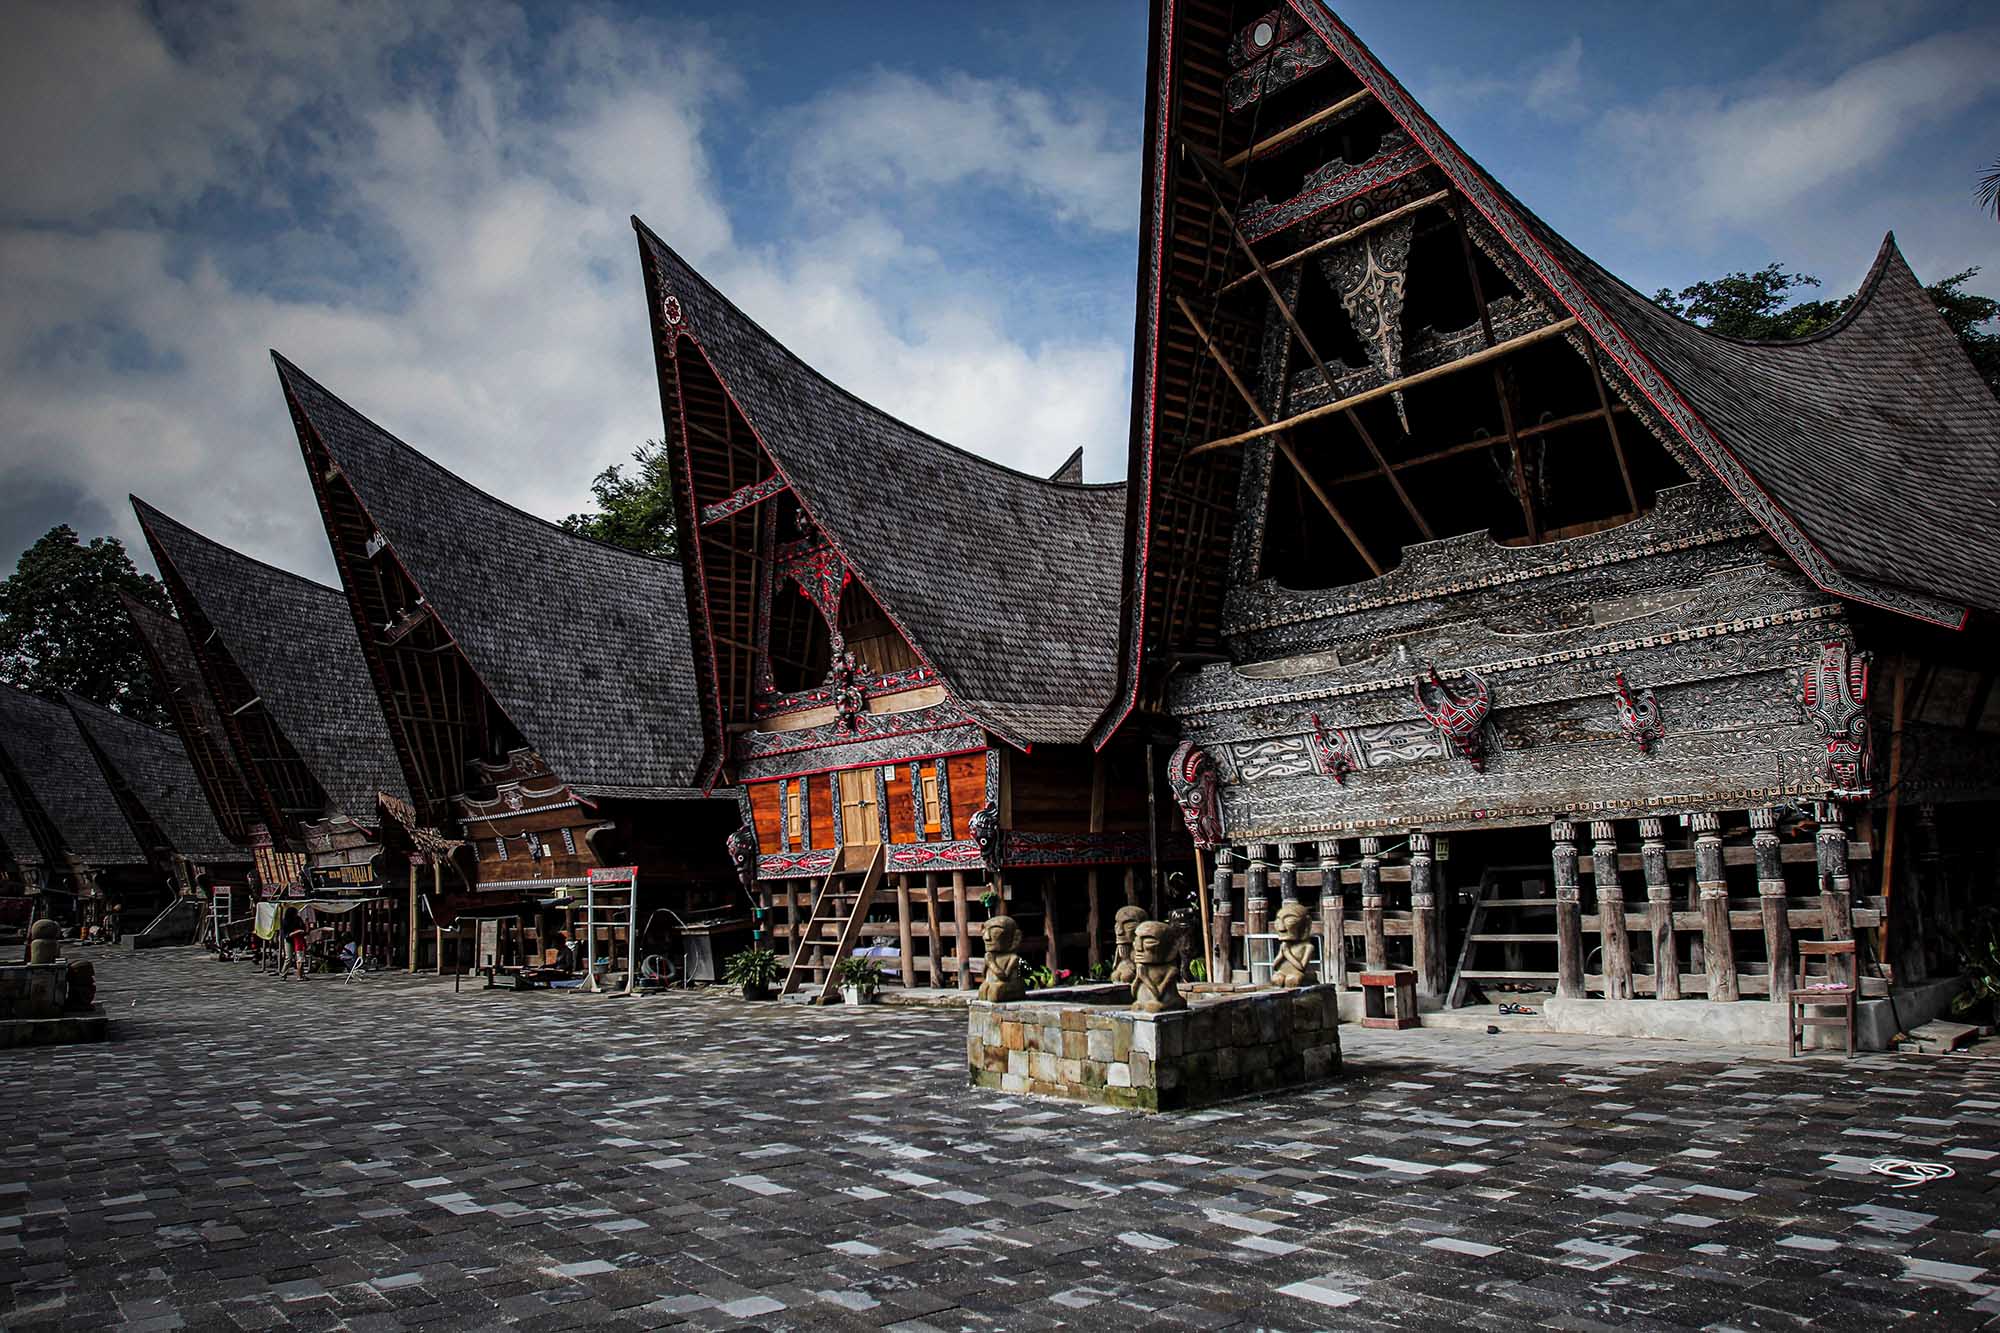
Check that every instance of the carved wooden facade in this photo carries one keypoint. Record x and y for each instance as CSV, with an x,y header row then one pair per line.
x,y
1508,583
536,689
902,647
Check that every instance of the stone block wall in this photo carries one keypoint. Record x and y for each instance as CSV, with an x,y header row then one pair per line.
x,y
1221,1048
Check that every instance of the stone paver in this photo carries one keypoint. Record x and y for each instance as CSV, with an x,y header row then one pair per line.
x,y
252,1154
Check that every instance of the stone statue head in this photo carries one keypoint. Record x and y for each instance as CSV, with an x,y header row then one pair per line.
x,y
1294,922
1002,935
1153,944
1127,922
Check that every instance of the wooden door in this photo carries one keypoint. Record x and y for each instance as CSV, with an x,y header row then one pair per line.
x,y
860,814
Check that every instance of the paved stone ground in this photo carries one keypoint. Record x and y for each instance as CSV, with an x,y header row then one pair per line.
x,y
255,1154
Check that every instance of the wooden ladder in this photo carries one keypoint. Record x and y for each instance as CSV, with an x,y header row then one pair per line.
x,y
837,917
1497,919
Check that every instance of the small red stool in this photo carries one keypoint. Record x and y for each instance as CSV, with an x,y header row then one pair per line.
x,y
1375,988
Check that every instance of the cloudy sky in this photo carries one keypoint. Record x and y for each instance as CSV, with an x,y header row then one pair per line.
x,y
424,204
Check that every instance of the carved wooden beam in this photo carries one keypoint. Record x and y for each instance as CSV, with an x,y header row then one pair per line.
x,y
744,497
1483,442
1272,143
1298,332
1352,401
1342,238
1284,445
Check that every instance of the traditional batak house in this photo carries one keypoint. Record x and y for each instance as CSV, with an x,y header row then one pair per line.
x,y
1532,636
901,648
536,684
73,843
287,686
154,784
178,682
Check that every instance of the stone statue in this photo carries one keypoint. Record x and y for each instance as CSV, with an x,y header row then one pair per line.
x,y
1156,986
82,985
1294,964
44,942
1124,926
1004,981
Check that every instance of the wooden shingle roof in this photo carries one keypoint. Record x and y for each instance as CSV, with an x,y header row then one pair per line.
x,y
153,766
17,841
47,751
1006,583
584,646
178,680
293,639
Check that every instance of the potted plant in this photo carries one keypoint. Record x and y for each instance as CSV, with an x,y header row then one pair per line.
x,y
859,978
754,969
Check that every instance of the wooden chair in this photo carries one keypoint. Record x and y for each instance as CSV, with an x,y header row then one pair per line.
x,y
1833,992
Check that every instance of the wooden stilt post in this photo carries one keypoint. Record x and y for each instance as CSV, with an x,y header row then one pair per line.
x,y
1375,936
1569,911
1712,890
961,926
1257,894
1611,911
1771,900
1288,872
1051,934
1221,893
1132,883
413,919
1203,903
1836,887
1094,919
903,937
1660,908
1913,958
1332,915
1426,923
933,959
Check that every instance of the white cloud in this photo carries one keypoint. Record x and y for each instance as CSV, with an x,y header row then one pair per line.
x,y
454,259
1711,157
893,131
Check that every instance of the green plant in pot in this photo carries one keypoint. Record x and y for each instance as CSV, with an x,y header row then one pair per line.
x,y
755,969
1979,960
859,979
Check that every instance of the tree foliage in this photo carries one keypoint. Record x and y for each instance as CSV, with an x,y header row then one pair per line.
x,y
1989,190
1761,305
62,628
635,511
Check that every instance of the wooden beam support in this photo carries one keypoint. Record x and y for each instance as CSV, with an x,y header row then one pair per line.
x,y
1340,238
1484,442
1305,342
1353,401
1272,143
1611,425
1284,445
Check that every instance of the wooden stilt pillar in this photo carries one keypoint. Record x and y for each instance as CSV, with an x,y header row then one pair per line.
x,y
1374,924
903,934
1836,887
961,926
790,888
1257,894
1660,909
1219,894
933,961
1131,886
413,919
1712,891
1332,916
1051,946
1611,911
1771,900
1288,872
1913,958
1094,921
1569,911
1426,921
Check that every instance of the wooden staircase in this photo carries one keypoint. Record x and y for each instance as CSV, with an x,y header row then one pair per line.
x,y
837,917
1513,925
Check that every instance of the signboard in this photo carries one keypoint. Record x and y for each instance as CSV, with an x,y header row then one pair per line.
x,y
612,877
489,944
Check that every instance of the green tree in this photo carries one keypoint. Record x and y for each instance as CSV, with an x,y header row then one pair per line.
x,y
635,511
61,627
1989,190
1760,305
